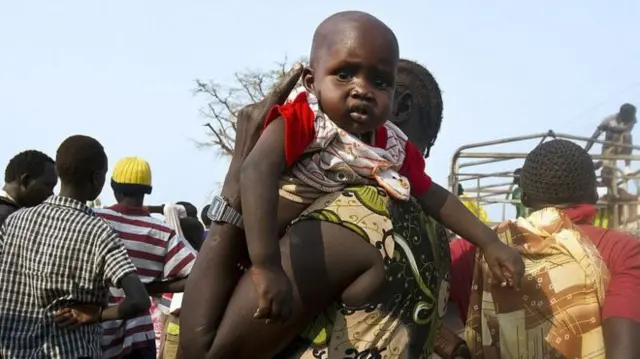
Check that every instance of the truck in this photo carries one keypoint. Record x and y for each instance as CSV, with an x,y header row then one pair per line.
x,y
486,172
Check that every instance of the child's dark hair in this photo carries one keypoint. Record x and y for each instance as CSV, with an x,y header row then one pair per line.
x,y
193,231
30,162
204,217
78,158
559,172
426,94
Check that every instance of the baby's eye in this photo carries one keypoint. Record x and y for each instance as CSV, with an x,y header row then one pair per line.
x,y
344,75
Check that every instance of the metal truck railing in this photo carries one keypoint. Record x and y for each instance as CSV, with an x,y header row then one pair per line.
x,y
487,177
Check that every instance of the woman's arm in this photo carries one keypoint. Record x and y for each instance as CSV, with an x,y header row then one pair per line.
x,y
621,309
621,338
200,316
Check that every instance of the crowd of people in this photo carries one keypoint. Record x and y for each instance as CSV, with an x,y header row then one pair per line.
x,y
327,240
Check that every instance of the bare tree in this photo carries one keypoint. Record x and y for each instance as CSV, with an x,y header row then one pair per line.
x,y
224,102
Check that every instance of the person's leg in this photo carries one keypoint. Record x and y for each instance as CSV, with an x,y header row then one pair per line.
x,y
324,261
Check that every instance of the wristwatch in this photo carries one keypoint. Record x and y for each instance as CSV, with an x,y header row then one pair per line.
x,y
220,211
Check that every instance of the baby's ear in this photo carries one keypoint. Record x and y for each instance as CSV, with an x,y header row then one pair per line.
x,y
308,79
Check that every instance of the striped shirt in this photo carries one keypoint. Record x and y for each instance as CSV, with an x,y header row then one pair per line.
x,y
51,256
159,254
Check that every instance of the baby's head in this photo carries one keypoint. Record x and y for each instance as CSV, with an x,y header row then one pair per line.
x,y
352,70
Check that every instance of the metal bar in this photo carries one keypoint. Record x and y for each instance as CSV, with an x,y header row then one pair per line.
x,y
496,155
483,175
483,162
493,185
454,169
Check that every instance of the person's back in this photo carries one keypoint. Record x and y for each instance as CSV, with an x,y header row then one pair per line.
x,y
156,250
51,258
57,261
575,271
146,239
621,253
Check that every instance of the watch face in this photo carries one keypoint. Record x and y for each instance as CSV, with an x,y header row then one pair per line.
x,y
216,208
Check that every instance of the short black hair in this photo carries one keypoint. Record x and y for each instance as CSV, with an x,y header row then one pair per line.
x,y
426,94
204,217
191,210
193,231
30,162
78,158
628,108
559,172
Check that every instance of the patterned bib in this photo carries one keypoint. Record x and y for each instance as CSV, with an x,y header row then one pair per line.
x,y
335,158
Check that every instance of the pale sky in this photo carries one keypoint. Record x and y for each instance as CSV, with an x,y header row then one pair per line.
x,y
123,71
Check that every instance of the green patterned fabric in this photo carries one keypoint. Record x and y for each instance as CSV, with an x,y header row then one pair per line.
x,y
415,251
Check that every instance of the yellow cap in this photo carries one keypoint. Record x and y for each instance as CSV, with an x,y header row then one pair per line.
x,y
132,175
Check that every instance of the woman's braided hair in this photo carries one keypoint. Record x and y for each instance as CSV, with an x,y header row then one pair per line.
x,y
559,172
426,95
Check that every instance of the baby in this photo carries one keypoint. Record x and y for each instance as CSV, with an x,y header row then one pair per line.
x,y
335,133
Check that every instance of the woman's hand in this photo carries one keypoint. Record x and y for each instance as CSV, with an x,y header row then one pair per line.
x,y
77,315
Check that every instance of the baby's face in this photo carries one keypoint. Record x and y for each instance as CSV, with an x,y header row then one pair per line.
x,y
354,81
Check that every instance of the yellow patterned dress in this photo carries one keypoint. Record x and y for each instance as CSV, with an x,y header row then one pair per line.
x,y
556,313
415,251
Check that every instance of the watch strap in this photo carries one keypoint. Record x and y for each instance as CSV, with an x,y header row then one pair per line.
x,y
221,212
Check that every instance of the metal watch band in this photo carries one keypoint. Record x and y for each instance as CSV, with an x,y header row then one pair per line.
x,y
221,211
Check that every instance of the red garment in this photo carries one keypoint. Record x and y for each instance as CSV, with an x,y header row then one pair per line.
x,y
300,132
620,252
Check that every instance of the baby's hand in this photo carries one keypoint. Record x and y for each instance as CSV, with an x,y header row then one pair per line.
x,y
275,295
77,315
505,263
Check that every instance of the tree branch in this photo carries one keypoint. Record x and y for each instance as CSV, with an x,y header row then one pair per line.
x,y
224,102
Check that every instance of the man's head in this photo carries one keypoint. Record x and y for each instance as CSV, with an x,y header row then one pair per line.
x,y
352,72
417,106
189,208
516,176
204,217
131,179
193,231
558,173
627,113
30,178
82,166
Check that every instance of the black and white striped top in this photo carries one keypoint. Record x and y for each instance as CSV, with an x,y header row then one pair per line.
x,y
51,256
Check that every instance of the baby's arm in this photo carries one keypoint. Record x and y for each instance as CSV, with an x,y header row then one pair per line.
x,y
448,210
259,178
505,263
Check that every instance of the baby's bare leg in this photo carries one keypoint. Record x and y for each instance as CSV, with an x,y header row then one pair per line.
x,y
287,212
